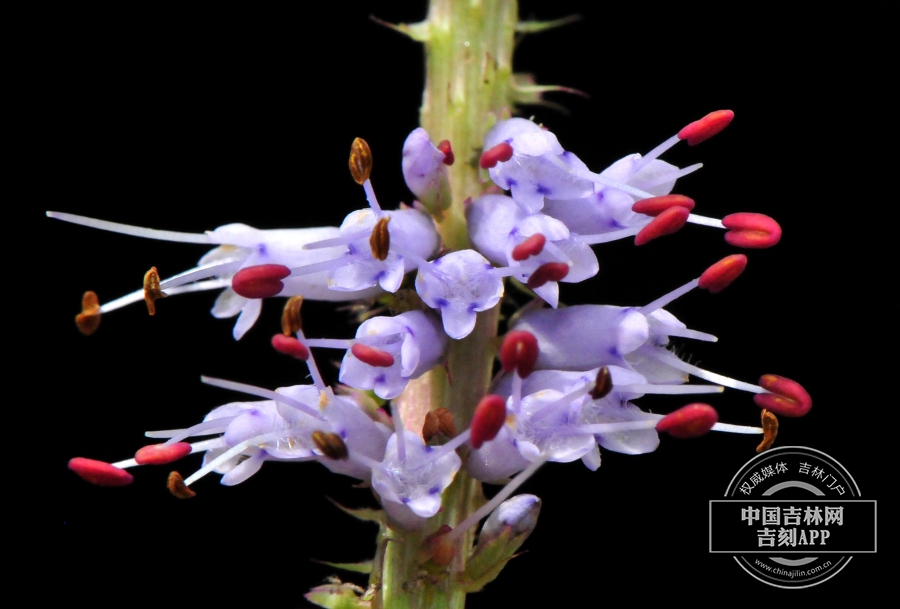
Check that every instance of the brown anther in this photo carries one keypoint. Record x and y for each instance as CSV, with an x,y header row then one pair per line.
x,y
445,418
177,487
431,426
770,430
331,444
89,319
152,293
380,239
603,385
291,322
360,160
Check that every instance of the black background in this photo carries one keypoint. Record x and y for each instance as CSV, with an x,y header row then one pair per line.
x,y
191,119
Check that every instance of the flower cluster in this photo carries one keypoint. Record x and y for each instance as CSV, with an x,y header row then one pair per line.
x,y
570,375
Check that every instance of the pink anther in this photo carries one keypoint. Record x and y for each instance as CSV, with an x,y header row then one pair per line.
x,y
787,398
445,147
290,346
668,222
752,231
519,352
500,153
532,246
489,417
691,421
260,281
720,275
160,454
100,473
372,356
657,205
551,271
706,127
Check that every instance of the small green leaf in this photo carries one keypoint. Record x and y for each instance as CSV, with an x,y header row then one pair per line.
x,y
364,514
355,567
532,27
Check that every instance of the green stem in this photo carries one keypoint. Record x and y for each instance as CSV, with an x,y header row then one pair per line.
x,y
468,56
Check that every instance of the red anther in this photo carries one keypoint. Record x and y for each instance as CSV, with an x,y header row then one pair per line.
x,y
500,153
100,473
753,231
691,421
706,127
372,356
290,346
445,147
657,205
488,420
551,271
787,398
532,246
261,281
519,352
666,223
160,454
720,275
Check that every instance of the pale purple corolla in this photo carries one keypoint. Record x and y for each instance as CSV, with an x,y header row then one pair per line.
x,y
498,226
415,342
459,285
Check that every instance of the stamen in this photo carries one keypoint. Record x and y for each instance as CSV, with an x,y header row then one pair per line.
x,y
708,126
661,355
330,444
175,484
344,239
445,147
673,175
532,246
519,352
89,319
100,473
610,236
160,454
770,430
291,322
152,293
787,398
231,453
602,385
551,271
752,231
206,428
657,205
667,298
691,421
670,389
500,153
222,267
360,160
260,281
134,231
376,358
263,393
720,275
489,417
380,240
666,223
290,346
